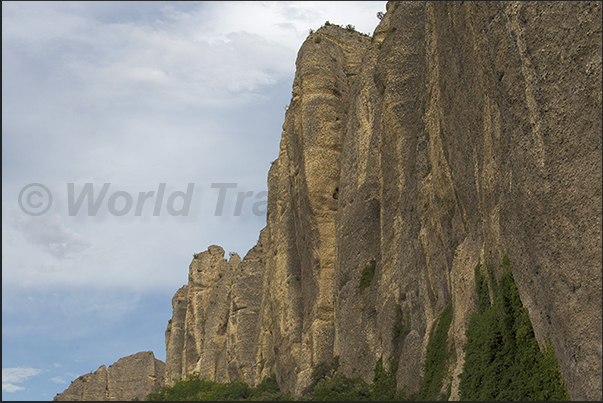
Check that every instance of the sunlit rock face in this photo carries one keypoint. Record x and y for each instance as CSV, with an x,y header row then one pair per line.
x,y
214,327
129,378
458,133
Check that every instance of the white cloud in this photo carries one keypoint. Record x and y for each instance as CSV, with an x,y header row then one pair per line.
x,y
50,233
18,375
10,376
137,94
286,23
10,388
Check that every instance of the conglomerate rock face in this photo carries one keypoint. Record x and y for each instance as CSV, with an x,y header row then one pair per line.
x,y
214,327
460,131
129,378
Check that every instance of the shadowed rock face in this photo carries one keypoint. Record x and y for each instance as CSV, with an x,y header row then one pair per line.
x,y
129,378
459,132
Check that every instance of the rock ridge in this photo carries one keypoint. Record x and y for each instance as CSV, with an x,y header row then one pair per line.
x,y
458,133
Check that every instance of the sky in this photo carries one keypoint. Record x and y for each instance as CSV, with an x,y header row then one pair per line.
x,y
106,106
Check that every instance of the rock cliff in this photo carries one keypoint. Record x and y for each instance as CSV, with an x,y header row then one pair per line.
x,y
459,132
129,378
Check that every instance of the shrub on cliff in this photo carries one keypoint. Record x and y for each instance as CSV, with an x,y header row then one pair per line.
x,y
194,388
342,388
366,277
437,358
502,358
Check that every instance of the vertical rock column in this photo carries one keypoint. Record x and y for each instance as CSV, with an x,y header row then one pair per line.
x,y
301,220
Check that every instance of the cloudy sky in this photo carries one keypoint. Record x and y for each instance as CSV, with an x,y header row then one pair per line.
x,y
132,98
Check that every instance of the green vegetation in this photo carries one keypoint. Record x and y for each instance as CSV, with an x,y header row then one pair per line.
x,y
502,358
341,388
267,390
200,389
194,388
320,373
367,275
437,359
384,382
481,289
348,27
317,39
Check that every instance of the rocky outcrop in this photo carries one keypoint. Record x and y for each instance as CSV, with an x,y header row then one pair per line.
x,y
129,378
459,131
214,327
